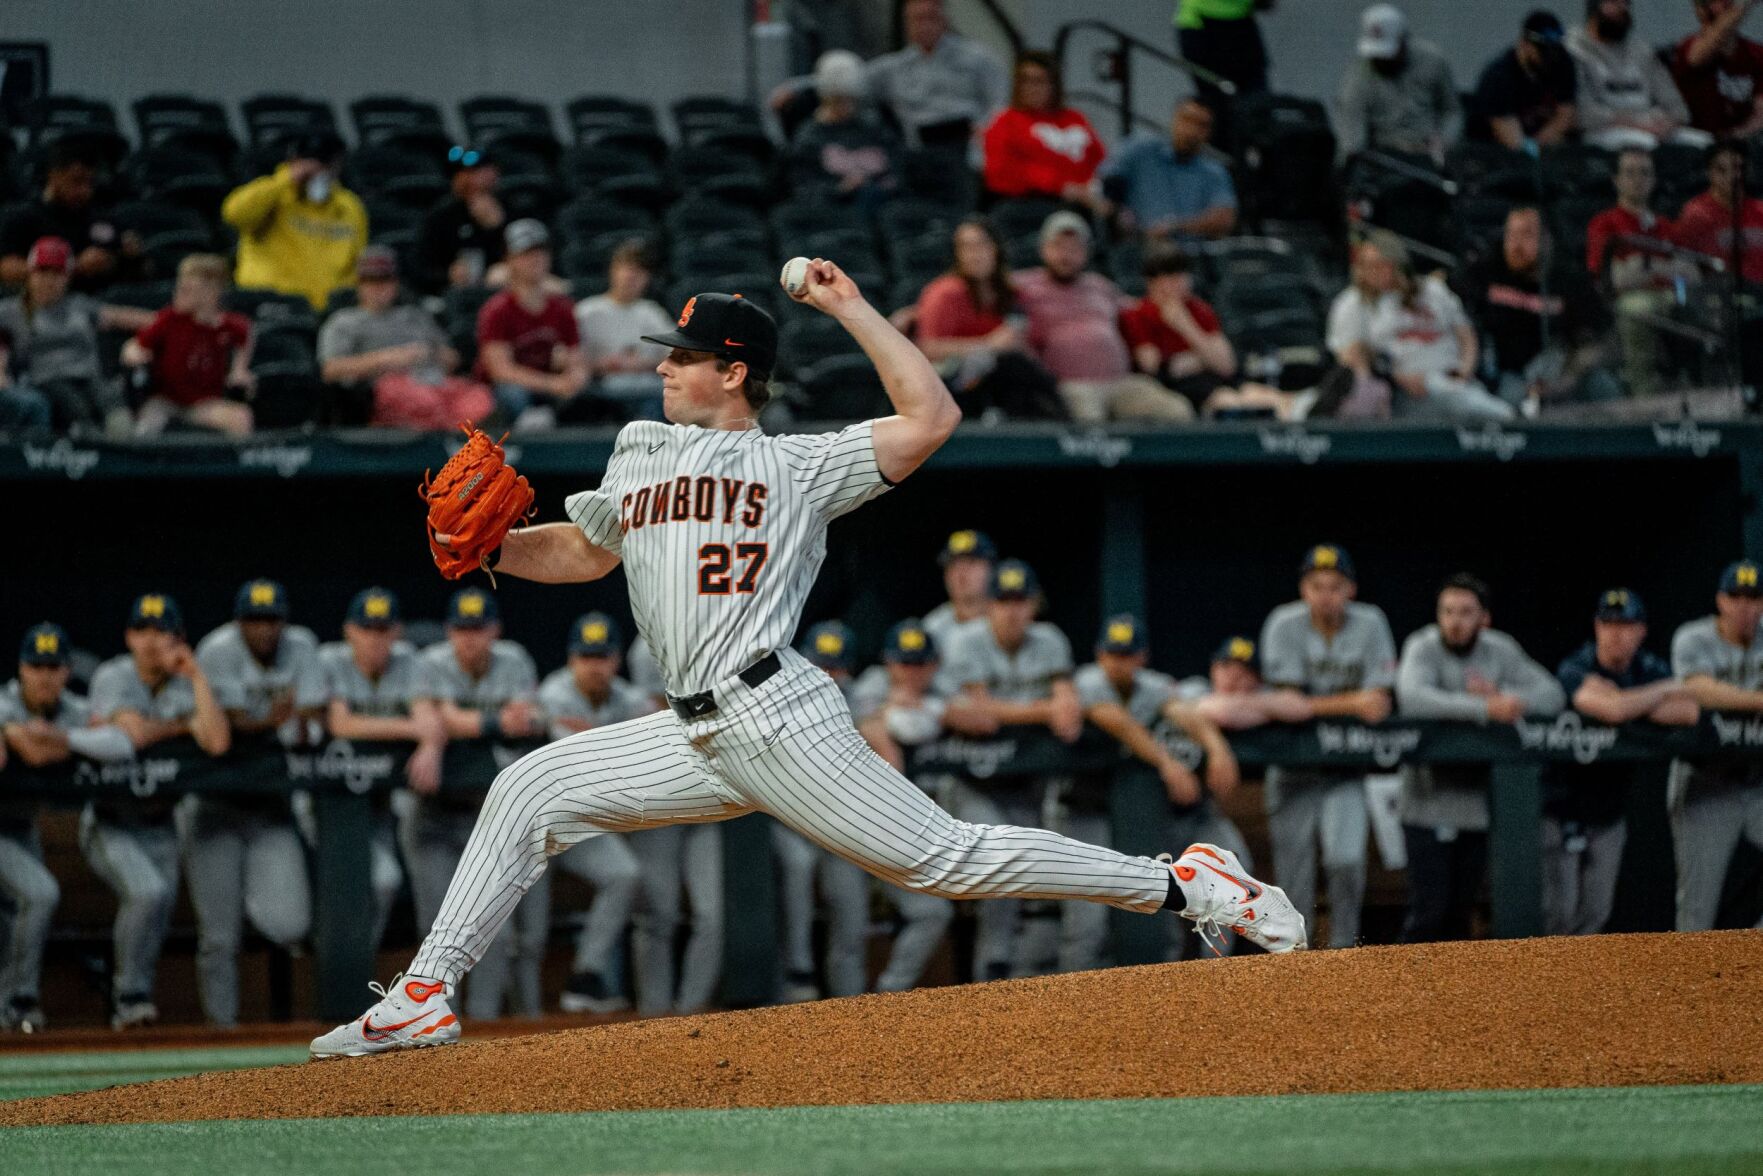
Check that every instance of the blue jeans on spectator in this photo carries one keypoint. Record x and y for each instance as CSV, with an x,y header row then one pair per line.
x,y
23,410
512,399
1594,384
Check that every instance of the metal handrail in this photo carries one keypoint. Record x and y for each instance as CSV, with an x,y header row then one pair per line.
x,y
1125,44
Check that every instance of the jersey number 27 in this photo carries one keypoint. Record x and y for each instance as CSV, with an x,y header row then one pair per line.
x,y
716,561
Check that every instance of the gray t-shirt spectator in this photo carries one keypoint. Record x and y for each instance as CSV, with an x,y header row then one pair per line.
x,y
242,683
1431,683
511,675
1151,691
974,657
560,699
608,327
54,343
404,681
357,331
1411,112
1621,82
1362,656
958,80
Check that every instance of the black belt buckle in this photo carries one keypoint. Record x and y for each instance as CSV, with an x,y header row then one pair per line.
x,y
696,706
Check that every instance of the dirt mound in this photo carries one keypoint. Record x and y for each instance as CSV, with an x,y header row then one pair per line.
x,y
1608,1011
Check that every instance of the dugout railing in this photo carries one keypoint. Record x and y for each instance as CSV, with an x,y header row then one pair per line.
x,y
345,777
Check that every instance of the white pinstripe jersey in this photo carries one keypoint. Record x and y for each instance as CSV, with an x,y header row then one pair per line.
x,y
722,533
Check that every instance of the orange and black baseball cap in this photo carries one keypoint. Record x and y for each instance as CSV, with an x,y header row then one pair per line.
x,y
726,325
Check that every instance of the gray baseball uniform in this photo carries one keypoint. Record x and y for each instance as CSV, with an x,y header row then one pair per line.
x,y
721,533
435,833
924,918
388,696
24,879
640,668
1305,808
243,856
973,656
942,624
133,844
605,863
1713,804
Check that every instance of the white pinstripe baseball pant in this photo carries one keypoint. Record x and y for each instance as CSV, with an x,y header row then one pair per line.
x,y
787,748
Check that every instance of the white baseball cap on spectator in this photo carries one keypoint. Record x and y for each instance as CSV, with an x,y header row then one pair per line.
x,y
839,74
524,234
1065,221
1382,28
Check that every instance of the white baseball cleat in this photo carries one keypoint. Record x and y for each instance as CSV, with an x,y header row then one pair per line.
x,y
1221,894
411,1014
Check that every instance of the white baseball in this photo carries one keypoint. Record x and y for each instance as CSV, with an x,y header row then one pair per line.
x,y
795,275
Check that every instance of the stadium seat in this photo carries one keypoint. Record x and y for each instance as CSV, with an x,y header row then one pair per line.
x,y
185,122
1022,217
1576,169
141,295
590,116
393,173
582,218
716,253
175,175
757,285
702,214
1285,151
88,124
924,255
909,216
168,232
841,388
795,219
289,312
271,120
607,171
510,124
528,184
939,176
850,248
805,338
583,258
390,120
288,385
696,115
715,172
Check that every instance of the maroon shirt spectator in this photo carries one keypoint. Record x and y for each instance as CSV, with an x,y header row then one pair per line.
x,y
195,351
1720,73
1706,222
529,350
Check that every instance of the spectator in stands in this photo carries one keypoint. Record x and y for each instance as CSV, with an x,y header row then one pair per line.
x,y
1610,679
1525,99
1545,325
1039,146
1719,73
841,147
300,230
1173,188
968,323
612,326
1626,95
528,347
49,340
1706,223
1224,37
396,350
1074,328
1410,331
64,208
941,87
1399,96
1640,280
1176,338
462,235
195,351
1458,668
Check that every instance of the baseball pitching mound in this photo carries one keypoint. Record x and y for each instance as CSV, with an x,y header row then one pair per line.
x,y
1616,1010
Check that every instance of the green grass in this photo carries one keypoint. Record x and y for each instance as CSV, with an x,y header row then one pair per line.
x,y
25,1075
1684,1131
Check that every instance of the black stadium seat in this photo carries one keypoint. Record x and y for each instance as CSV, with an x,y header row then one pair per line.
x,y
600,120
510,124
271,120
805,339
702,214
611,172
175,175
395,173
84,124
841,388
187,123
714,172
585,217
392,120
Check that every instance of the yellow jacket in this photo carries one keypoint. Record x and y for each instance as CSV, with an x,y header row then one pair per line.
x,y
289,244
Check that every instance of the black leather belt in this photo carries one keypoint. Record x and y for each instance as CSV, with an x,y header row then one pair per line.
x,y
696,706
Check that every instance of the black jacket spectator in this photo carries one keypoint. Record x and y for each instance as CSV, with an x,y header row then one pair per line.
x,y
1527,93
65,209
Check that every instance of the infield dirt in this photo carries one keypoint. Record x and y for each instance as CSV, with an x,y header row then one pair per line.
x,y
1618,1010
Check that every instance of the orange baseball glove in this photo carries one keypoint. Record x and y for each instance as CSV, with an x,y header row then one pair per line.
x,y
474,500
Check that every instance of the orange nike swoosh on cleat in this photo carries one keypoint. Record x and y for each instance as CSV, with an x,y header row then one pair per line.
x,y
441,1024
1251,891
369,1029
1197,848
417,991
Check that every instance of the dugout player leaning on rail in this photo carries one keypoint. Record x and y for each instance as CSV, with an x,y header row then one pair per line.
x,y
721,530
242,854
1714,803
42,722
154,692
